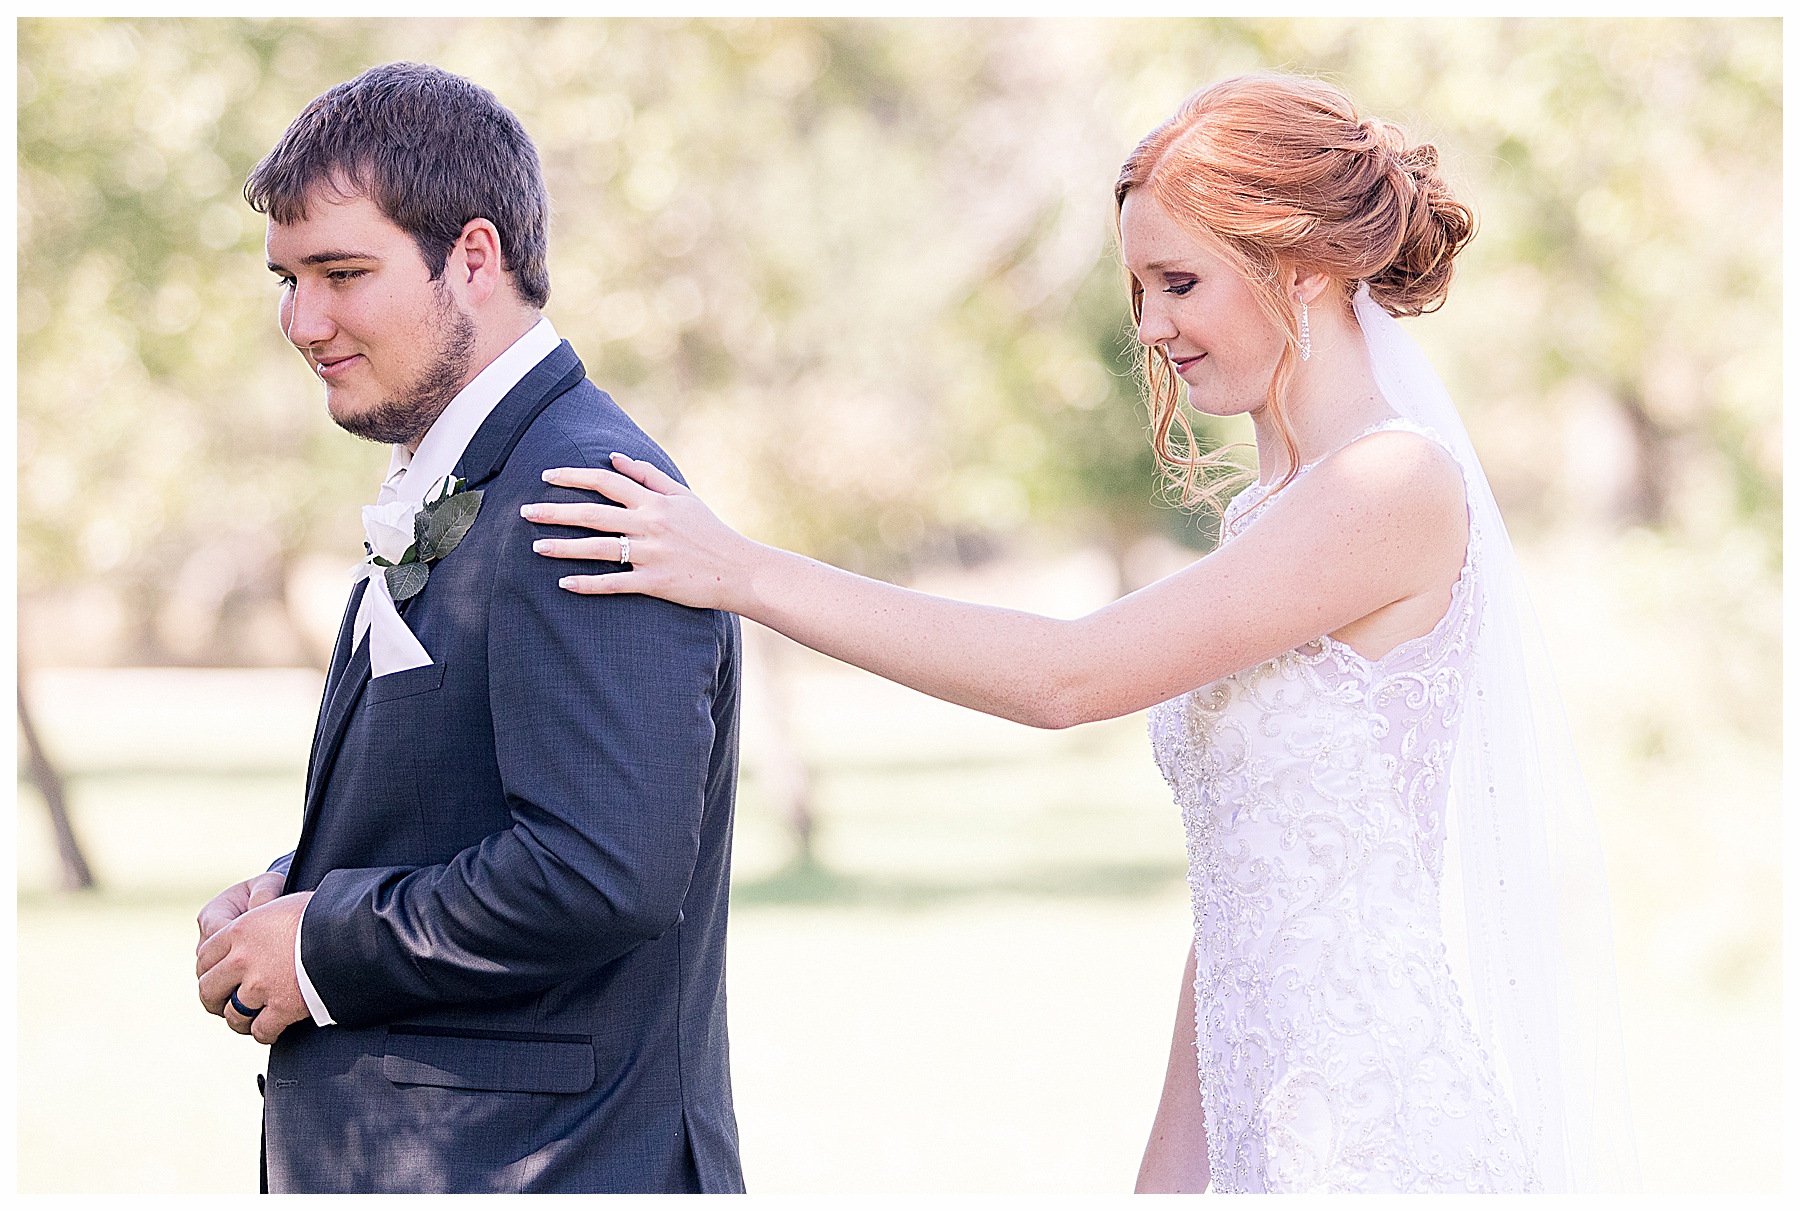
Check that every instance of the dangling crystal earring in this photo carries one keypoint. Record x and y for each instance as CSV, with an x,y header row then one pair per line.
x,y
1305,336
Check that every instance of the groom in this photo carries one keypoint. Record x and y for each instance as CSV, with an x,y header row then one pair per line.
x,y
494,960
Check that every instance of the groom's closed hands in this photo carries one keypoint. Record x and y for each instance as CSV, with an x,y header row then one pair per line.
x,y
237,900
253,955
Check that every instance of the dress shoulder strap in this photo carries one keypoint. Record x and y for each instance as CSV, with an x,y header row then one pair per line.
x,y
1251,500
1396,422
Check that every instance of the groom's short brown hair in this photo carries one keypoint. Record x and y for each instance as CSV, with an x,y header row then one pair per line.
x,y
432,150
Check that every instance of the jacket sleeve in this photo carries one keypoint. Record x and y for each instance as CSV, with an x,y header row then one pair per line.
x,y
603,729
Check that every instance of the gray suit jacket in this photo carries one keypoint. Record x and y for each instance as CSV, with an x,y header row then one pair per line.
x,y
519,858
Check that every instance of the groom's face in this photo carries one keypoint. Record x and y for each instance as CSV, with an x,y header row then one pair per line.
x,y
392,346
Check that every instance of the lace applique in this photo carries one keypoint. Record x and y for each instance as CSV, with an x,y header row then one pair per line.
x,y
1335,1051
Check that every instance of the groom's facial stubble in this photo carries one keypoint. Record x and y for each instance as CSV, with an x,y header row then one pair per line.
x,y
404,419
392,345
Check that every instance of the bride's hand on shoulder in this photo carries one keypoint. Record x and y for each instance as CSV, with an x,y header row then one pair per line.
x,y
671,543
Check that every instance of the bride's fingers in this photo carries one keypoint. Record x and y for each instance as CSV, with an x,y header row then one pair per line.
x,y
609,518
607,549
614,582
627,484
608,483
650,475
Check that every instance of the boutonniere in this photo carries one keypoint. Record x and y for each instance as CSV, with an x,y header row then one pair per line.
x,y
438,526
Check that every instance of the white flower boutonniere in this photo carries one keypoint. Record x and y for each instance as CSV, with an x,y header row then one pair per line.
x,y
388,529
404,539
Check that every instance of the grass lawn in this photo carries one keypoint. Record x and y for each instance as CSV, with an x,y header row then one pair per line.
x,y
972,990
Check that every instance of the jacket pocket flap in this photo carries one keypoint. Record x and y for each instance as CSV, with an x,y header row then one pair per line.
x,y
405,683
503,1064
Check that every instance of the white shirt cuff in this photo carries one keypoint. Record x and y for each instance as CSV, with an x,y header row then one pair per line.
x,y
321,1016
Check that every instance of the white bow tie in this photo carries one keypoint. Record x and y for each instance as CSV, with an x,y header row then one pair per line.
x,y
388,528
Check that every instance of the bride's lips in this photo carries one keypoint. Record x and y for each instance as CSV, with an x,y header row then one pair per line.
x,y
332,367
1181,364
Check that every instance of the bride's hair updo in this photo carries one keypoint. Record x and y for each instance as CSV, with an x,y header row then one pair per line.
x,y
1280,171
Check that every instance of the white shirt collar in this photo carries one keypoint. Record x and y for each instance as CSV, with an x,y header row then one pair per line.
x,y
443,444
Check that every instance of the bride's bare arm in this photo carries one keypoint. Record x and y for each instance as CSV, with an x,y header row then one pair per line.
x,y
1378,522
1175,1159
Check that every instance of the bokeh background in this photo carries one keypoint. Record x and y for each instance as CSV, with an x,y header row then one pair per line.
x,y
858,278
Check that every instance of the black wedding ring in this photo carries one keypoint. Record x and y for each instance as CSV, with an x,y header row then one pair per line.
x,y
241,1007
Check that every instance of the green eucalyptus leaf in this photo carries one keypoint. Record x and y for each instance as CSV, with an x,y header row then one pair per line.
x,y
449,520
422,535
406,580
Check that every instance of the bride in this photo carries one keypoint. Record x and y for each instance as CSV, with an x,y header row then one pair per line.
x,y
1346,697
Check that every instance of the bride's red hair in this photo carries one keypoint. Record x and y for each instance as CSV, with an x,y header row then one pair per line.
x,y
1280,171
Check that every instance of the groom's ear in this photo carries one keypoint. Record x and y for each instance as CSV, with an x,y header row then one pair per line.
x,y
476,262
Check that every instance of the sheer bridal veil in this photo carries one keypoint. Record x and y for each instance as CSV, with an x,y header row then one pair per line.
x,y
1534,947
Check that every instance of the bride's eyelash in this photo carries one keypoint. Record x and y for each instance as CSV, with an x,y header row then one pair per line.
x,y
1179,288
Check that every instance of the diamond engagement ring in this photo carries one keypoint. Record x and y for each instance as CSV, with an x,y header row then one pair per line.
x,y
624,549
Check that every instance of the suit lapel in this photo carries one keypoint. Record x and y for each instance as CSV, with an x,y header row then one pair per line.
x,y
488,450
340,650
340,703
334,673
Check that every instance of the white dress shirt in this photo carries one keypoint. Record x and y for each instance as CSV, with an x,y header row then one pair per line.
x,y
410,475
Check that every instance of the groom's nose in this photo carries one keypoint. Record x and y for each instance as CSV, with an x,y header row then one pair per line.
x,y
305,316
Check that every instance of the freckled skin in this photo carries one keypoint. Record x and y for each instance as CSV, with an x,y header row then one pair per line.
x,y
1196,304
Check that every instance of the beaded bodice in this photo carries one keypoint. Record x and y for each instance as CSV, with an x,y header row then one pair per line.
x,y
1335,1053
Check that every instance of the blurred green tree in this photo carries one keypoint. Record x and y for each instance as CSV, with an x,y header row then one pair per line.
x,y
165,449
858,277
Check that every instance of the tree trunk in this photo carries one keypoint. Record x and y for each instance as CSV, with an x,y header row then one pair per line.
x,y
75,870
1647,502
789,775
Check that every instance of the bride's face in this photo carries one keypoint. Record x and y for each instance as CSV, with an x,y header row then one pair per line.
x,y
1200,310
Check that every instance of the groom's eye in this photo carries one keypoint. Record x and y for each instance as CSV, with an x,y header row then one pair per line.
x,y
345,275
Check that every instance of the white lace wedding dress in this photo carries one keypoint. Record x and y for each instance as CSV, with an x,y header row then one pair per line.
x,y
1335,1052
